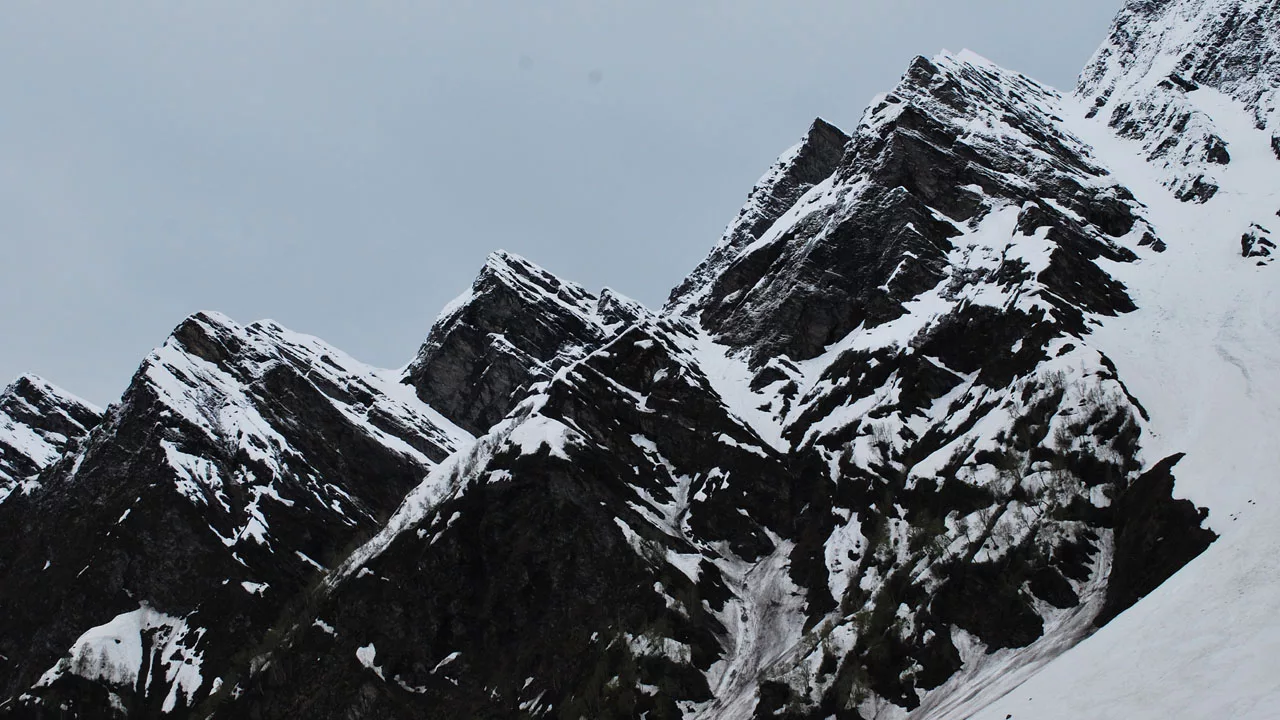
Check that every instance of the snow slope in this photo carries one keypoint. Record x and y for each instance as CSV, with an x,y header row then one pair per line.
x,y
1203,355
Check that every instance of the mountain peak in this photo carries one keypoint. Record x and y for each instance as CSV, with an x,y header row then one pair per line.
x,y
29,385
957,139
795,172
255,453
820,127
38,420
1230,45
209,335
518,274
502,261
1168,74
26,382
968,57
211,368
507,331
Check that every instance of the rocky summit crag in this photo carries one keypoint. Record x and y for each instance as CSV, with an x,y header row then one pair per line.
x,y
887,452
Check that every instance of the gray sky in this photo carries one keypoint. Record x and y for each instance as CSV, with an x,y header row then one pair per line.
x,y
344,168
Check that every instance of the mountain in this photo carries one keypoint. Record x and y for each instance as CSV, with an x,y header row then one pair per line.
x,y
38,421
240,463
507,332
1146,82
969,405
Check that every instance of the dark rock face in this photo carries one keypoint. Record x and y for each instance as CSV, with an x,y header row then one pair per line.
x,y
37,423
807,164
513,326
1155,535
1257,243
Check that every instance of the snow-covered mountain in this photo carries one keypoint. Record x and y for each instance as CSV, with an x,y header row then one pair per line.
x,y
967,413
239,465
38,421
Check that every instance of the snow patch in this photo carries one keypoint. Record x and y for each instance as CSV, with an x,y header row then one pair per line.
x,y
114,653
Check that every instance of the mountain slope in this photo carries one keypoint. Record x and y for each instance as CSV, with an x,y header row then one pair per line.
x,y
962,389
1204,357
794,173
574,542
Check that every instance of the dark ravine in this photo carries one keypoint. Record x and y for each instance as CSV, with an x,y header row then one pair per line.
x,y
869,444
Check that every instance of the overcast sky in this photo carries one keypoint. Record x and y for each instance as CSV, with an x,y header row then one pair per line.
x,y
344,168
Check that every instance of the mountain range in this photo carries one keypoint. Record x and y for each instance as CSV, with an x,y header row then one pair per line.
x,y
969,413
